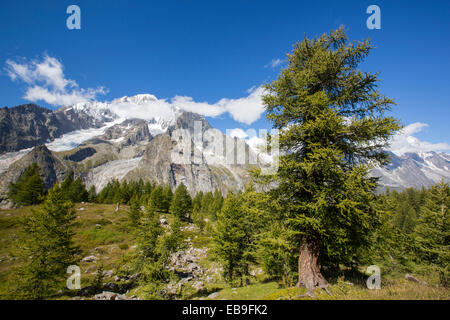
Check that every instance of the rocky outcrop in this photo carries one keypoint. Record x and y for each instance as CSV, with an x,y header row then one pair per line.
x,y
413,170
81,154
157,165
174,157
71,118
107,295
26,126
128,133
52,169
29,125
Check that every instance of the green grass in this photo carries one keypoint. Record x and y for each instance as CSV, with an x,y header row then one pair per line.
x,y
105,233
397,289
257,291
98,227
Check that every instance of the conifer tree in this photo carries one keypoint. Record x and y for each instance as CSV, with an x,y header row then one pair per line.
x,y
92,194
74,190
197,202
277,251
234,238
154,248
29,188
134,211
182,203
433,230
207,201
333,129
78,192
47,246
157,199
216,204
167,200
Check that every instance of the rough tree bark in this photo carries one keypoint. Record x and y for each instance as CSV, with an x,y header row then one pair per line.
x,y
309,275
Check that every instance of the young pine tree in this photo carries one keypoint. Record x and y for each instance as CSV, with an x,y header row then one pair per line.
x,y
92,194
168,196
433,230
78,191
154,248
134,212
29,188
333,128
157,199
181,205
74,190
233,238
216,204
47,247
207,201
197,202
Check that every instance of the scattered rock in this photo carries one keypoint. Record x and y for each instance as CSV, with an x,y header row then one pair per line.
x,y
198,285
191,227
108,273
163,221
91,258
108,295
410,277
81,209
256,271
213,295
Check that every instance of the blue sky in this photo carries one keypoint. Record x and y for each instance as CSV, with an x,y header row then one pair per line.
x,y
210,50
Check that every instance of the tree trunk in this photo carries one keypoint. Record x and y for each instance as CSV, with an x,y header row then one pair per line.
x,y
309,275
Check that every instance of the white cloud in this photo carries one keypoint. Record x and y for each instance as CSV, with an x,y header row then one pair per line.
x,y
274,63
246,110
146,106
404,141
46,82
147,109
238,133
203,108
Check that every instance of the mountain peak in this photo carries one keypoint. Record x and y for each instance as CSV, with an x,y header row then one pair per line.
x,y
137,99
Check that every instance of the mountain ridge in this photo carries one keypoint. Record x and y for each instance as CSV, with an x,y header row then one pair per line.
x,y
130,138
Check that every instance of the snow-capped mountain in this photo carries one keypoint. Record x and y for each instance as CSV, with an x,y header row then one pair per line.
x,y
414,170
132,138
159,114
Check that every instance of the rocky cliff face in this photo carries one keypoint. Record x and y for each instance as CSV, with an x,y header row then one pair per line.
x,y
26,126
99,145
414,170
29,125
52,169
174,157
157,165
